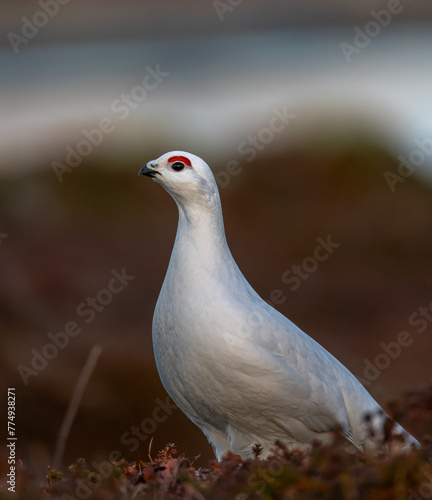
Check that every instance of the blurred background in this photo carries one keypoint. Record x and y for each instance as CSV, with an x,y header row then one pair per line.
x,y
316,119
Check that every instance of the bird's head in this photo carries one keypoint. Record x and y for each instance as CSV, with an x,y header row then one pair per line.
x,y
185,176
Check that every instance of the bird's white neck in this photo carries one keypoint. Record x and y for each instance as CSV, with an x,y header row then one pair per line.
x,y
201,234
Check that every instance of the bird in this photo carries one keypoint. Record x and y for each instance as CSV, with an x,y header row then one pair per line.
x,y
240,370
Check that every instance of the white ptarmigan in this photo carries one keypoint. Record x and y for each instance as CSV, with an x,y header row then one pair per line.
x,y
240,370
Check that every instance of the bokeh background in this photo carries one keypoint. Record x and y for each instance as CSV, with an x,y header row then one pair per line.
x,y
226,67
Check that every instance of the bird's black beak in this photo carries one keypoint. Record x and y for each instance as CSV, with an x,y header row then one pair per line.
x,y
149,172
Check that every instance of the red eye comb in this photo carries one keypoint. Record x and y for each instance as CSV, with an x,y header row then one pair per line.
x,y
183,159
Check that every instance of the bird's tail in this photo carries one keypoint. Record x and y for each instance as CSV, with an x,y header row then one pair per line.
x,y
387,435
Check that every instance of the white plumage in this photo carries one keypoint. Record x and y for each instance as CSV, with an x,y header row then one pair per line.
x,y
239,369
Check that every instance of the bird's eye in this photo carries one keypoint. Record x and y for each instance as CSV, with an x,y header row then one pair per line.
x,y
177,166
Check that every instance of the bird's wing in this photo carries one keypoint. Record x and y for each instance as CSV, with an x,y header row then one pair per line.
x,y
292,377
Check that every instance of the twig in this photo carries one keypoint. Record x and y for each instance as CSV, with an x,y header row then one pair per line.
x,y
149,450
74,404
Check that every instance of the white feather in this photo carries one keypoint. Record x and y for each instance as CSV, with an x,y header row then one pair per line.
x,y
238,368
